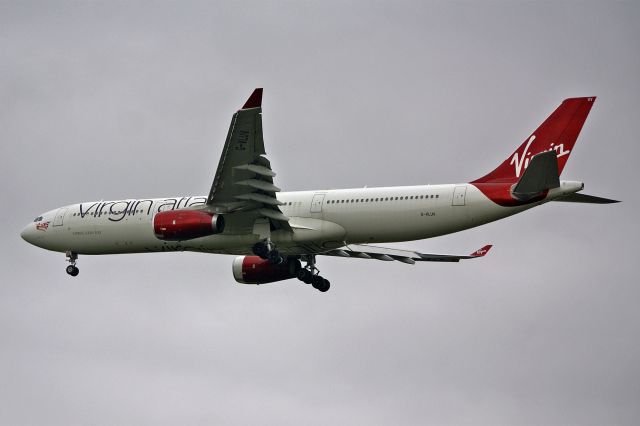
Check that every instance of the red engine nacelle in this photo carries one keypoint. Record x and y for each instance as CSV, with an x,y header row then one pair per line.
x,y
255,270
180,225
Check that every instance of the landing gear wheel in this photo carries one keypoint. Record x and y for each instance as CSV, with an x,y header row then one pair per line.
x,y
73,270
326,285
311,275
320,283
261,249
275,258
305,276
72,258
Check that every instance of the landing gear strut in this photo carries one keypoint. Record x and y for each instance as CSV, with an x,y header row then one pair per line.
x,y
266,250
311,275
72,269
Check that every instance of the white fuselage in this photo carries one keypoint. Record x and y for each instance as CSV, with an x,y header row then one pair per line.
x,y
321,220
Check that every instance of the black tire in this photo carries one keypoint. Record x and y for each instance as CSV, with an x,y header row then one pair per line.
x,y
316,281
308,279
303,275
72,270
326,285
261,250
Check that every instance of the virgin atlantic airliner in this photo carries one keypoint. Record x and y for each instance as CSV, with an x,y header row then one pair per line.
x,y
278,235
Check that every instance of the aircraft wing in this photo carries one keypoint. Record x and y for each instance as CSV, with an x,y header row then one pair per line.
x,y
364,251
243,188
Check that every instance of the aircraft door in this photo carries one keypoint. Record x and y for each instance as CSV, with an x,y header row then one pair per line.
x,y
57,221
459,195
316,203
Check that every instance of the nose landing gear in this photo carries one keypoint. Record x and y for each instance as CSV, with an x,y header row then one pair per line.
x,y
72,269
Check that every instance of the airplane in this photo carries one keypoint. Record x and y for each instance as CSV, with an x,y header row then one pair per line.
x,y
272,233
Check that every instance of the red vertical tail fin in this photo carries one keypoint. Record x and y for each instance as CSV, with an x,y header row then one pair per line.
x,y
559,132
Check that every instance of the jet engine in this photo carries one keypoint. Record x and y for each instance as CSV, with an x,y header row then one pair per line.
x,y
255,270
180,225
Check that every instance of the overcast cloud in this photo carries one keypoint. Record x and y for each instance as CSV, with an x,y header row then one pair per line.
x,y
109,100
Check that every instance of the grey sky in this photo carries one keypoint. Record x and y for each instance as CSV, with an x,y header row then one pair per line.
x,y
112,100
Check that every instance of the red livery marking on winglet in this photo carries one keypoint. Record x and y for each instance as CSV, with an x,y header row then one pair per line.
x,y
255,100
481,252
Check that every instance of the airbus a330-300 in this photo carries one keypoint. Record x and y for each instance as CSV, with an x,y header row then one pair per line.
x,y
279,235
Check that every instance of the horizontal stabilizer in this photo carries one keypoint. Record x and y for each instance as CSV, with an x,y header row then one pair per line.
x,y
541,175
584,198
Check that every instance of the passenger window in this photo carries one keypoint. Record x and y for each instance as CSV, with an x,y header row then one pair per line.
x,y
437,195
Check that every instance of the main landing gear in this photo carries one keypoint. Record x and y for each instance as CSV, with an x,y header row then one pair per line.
x,y
311,275
72,269
266,250
308,275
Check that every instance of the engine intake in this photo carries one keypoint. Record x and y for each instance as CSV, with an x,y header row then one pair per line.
x,y
180,225
255,270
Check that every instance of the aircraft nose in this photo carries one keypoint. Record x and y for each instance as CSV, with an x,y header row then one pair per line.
x,y
27,233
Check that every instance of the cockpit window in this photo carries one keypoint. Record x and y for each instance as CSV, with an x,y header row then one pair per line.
x,y
37,219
